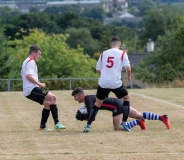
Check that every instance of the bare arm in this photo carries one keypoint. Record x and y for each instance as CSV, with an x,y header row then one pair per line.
x,y
33,80
128,73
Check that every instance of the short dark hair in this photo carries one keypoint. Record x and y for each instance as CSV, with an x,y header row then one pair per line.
x,y
77,90
115,40
34,48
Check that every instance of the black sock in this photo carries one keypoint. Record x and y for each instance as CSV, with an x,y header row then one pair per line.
x,y
93,113
45,116
126,108
54,111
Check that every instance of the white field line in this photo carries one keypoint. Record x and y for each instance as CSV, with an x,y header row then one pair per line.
x,y
159,100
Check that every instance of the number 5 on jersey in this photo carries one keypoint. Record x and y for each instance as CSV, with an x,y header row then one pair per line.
x,y
110,62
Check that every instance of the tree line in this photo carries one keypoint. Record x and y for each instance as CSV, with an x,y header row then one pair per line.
x,y
72,40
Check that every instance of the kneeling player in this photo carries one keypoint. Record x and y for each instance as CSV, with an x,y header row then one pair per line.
x,y
115,105
82,114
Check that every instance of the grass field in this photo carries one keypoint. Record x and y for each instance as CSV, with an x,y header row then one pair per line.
x,y
20,138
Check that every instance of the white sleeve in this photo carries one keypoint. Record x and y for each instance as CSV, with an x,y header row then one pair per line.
x,y
99,63
30,67
126,62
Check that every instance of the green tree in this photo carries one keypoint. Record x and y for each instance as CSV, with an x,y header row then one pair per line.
x,y
156,22
63,8
5,63
133,10
58,59
64,20
146,5
7,14
165,64
94,12
105,40
94,25
34,10
39,20
82,37
126,35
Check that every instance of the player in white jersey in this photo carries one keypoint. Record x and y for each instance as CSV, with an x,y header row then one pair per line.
x,y
33,89
109,66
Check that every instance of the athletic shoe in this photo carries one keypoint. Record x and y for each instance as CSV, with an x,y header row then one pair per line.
x,y
59,126
46,129
142,124
166,121
124,127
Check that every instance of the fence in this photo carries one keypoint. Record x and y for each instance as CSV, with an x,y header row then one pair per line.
x,y
7,85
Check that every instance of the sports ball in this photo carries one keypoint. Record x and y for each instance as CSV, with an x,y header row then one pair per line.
x,y
83,109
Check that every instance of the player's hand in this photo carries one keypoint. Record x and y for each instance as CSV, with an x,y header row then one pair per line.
x,y
42,85
128,77
86,128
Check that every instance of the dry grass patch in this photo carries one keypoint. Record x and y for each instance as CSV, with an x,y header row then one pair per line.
x,y
21,140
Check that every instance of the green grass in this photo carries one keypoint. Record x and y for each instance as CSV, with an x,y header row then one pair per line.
x,y
20,138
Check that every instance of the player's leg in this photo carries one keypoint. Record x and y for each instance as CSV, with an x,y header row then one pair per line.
x,y
136,122
45,116
149,116
101,94
118,116
118,119
133,113
153,116
50,100
120,93
126,108
38,95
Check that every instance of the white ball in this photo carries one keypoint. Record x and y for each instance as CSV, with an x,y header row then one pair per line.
x,y
83,109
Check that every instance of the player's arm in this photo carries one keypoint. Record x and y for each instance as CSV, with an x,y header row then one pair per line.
x,y
99,65
92,114
33,80
126,64
128,73
91,110
29,74
89,104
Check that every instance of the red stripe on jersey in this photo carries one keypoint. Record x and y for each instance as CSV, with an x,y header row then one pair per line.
x,y
123,55
109,106
101,55
29,60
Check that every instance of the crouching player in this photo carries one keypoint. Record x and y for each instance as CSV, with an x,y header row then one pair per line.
x,y
115,106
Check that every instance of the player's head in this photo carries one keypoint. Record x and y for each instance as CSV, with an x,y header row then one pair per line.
x,y
35,52
115,42
78,94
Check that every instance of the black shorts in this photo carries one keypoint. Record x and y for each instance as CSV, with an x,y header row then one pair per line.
x,y
103,93
118,110
38,95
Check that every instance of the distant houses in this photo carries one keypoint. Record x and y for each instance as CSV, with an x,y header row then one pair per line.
x,y
120,15
25,5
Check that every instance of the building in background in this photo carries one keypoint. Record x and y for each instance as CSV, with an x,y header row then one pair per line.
x,y
25,5
120,15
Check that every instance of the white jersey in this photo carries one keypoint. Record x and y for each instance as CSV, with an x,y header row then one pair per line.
x,y
111,63
29,67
